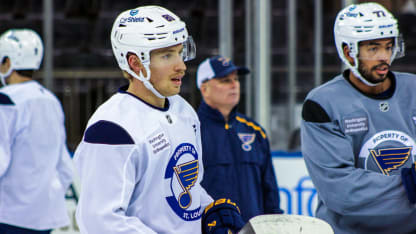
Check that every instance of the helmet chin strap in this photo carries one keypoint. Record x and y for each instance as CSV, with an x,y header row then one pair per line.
x,y
355,71
146,80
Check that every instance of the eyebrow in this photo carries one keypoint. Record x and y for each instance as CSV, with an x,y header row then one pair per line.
x,y
170,50
377,43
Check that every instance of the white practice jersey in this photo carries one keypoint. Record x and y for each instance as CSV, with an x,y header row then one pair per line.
x,y
35,166
140,168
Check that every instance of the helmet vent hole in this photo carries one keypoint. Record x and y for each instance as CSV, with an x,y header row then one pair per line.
x,y
150,20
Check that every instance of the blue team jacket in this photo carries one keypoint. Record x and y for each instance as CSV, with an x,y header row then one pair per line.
x,y
237,162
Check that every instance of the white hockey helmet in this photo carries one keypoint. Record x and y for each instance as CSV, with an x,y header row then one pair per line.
x,y
362,22
23,47
144,29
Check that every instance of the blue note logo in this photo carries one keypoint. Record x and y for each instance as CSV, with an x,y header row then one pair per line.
x,y
168,17
247,139
387,151
182,174
390,159
187,173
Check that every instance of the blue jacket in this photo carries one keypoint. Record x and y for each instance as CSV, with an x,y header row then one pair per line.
x,y
237,162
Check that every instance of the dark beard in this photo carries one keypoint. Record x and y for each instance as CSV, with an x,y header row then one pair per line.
x,y
366,74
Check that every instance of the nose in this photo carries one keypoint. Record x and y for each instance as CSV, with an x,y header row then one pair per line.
x,y
180,65
235,83
384,55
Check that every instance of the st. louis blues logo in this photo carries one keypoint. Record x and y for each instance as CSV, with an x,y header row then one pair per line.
x,y
187,173
182,174
390,159
387,152
247,139
168,17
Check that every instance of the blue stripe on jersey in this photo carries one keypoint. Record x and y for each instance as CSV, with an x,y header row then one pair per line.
x,y
5,100
106,132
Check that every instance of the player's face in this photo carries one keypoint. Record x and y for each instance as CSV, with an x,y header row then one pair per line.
x,y
167,69
374,59
223,91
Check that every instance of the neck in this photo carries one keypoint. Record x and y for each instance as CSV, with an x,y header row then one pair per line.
x,y
224,110
138,89
15,78
379,88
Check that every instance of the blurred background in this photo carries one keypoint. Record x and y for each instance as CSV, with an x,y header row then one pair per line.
x,y
287,44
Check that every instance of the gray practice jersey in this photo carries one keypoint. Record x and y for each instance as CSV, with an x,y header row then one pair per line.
x,y
354,147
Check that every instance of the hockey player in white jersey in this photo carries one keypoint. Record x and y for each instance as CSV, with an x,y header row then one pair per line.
x,y
140,161
358,130
35,166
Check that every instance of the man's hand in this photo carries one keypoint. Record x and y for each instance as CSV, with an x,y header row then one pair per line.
x,y
220,217
409,182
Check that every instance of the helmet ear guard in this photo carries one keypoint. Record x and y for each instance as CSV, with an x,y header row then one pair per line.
x,y
143,29
363,22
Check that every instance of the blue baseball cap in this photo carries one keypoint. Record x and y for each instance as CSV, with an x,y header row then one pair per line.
x,y
217,67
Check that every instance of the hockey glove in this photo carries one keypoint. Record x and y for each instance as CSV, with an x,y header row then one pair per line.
x,y
409,182
220,217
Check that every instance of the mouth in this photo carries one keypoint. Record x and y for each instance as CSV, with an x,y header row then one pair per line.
x,y
177,80
233,94
382,69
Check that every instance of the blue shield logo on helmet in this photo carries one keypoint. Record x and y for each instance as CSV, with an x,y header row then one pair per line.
x,y
134,12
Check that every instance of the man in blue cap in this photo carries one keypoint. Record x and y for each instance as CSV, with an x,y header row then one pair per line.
x,y
235,149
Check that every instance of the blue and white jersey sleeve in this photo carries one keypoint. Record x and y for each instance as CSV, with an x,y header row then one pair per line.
x,y
8,115
107,165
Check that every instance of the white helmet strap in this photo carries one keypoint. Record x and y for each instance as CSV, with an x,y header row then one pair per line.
x,y
355,71
145,80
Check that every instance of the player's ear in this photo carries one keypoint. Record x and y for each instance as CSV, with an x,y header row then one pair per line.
x,y
5,64
203,88
135,64
347,51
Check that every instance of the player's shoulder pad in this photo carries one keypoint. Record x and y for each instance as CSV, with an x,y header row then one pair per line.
x,y
106,132
5,100
313,112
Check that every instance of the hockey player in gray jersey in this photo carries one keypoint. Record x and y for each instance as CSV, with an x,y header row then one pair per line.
x,y
359,130
140,161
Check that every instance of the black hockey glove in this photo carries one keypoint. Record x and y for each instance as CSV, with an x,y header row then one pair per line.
x,y
220,217
409,182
